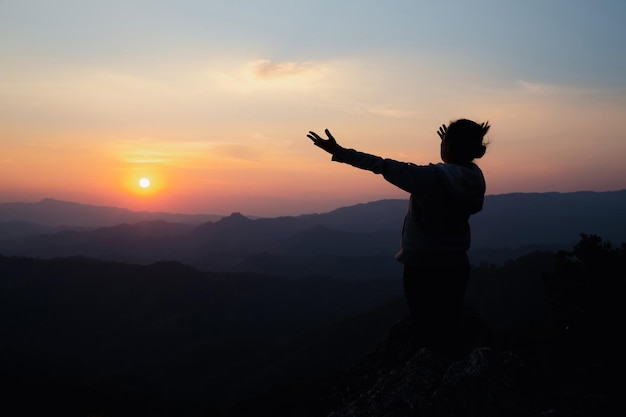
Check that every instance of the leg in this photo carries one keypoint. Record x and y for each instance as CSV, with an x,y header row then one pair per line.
x,y
435,291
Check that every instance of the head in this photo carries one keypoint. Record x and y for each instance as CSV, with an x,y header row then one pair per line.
x,y
464,141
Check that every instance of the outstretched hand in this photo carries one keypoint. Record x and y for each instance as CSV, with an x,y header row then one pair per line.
x,y
485,127
330,145
442,131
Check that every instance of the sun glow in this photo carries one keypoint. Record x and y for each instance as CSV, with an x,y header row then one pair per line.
x,y
144,183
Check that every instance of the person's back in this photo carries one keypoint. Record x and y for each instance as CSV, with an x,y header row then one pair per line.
x,y
438,220
436,232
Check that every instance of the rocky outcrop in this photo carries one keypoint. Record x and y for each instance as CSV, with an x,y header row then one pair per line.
x,y
401,380
483,384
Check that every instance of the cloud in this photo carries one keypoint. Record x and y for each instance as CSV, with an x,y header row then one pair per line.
x,y
265,76
551,89
145,151
264,69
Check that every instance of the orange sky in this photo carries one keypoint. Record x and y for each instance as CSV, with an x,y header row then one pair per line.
x,y
218,121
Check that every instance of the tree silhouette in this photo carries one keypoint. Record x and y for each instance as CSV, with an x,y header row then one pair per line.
x,y
586,289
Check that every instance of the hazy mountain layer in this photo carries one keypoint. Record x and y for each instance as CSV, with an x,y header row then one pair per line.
x,y
353,243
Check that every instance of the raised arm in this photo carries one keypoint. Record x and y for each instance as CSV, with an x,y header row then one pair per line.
x,y
408,177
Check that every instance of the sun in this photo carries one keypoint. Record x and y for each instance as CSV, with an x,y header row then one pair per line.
x,y
144,183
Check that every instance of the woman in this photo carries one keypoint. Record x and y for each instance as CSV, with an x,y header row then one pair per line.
x,y
436,232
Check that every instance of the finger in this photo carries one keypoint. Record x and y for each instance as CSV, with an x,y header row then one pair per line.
x,y
330,136
314,136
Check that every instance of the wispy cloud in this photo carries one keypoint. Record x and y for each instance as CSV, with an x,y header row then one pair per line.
x,y
264,75
151,152
551,89
264,69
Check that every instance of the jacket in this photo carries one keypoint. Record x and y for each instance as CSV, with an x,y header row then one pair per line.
x,y
442,199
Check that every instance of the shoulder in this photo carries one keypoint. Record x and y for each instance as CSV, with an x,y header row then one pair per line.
x,y
453,173
457,170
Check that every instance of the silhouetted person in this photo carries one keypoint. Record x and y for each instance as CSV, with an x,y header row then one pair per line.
x,y
436,231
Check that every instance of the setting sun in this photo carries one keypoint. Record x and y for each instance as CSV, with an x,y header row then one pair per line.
x,y
144,183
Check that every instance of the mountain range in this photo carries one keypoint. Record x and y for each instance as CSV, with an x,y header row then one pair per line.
x,y
57,213
236,315
355,242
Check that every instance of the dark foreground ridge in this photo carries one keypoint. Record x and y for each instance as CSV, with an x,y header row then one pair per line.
x,y
423,383
400,380
89,338
556,368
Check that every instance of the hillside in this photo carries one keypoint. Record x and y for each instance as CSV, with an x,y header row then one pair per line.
x,y
78,332
88,337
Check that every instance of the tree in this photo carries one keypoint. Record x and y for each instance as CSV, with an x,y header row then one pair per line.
x,y
586,291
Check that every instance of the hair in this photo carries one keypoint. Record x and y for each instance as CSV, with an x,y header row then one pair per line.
x,y
466,139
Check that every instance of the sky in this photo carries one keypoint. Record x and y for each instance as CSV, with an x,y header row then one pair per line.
x,y
212,100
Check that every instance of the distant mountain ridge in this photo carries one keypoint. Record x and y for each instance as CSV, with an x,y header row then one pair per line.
x,y
54,213
355,242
